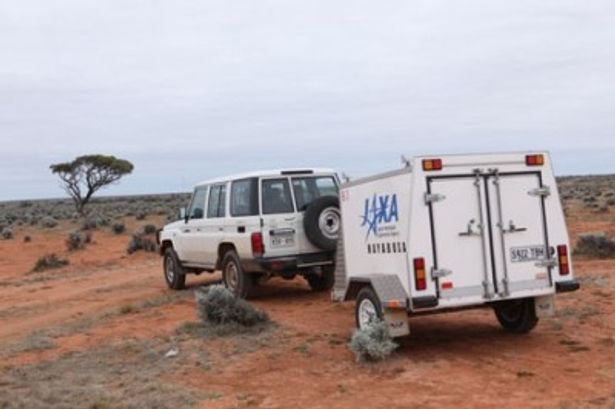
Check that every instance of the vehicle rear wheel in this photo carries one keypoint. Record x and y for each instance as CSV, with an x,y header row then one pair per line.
x,y
367,308
235,278
322,222
518,316
323,281
173,271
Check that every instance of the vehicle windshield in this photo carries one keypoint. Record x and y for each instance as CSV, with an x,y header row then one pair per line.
x,y
308,189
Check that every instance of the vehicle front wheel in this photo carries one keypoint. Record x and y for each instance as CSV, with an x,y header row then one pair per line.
x,y
518,316
367,308
235,279
323,281
173,271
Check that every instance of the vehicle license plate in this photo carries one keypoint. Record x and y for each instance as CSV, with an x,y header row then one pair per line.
x,y
529,253
286,240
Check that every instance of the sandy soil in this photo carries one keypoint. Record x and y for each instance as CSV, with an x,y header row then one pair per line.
x,y
106,298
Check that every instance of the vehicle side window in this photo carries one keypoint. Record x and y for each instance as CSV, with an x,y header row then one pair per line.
x,y
308,189
197,205
216,206
276,196
244,197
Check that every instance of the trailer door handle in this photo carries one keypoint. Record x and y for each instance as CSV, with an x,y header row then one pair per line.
x,y
470,230
514,229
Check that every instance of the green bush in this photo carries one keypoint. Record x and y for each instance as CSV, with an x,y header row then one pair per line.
x,y
372,343
77,240
598,245
149,229
118,228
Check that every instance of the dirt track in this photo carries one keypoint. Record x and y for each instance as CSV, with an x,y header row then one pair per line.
x,y
105,299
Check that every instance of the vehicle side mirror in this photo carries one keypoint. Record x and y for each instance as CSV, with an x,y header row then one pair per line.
x,y
183,215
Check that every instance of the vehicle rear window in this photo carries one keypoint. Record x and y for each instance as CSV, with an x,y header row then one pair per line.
x,y
244,197
308,189
276,196
216,206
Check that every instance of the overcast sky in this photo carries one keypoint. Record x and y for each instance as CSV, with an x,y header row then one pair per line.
x,y
189,90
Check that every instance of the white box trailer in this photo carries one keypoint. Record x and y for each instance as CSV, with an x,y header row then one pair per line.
x,y
455,231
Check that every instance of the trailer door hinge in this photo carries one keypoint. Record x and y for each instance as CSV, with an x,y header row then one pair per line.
x,y
548,263
433,197
440,272
540,191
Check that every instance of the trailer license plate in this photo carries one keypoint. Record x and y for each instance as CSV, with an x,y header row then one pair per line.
x,y
529,253
283,241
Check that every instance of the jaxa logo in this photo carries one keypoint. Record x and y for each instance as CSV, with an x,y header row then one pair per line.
x,y
380,209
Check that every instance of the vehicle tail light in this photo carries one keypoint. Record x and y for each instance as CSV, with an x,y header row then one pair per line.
x,y
432,164
535,160
258,246
562,258
420,280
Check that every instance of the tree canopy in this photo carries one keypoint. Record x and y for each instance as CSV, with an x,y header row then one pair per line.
x,y
87,174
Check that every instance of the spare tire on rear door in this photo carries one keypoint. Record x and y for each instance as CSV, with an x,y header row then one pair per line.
x,y
322,222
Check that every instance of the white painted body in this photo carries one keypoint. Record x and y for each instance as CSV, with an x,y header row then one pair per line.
x,y
478,262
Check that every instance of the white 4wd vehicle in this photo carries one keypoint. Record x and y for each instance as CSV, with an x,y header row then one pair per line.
x,y
254,226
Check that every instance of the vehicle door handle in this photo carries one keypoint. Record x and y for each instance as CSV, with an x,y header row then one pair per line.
x,y
470,230
290,219
186,231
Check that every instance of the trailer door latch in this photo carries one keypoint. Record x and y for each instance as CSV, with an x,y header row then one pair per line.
x,y
433,197
540,191
440,272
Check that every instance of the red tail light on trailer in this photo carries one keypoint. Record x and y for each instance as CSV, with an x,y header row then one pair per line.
x,y
535,160
420,279
432,164
562,259
258,246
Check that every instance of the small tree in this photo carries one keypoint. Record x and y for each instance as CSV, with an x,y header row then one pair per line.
x,y
85,175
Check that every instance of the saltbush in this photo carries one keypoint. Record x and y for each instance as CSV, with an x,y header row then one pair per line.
x,y
139,241
77,240
6,233
372,343
48,262
49,222
598,245
217,306
149,229
118,228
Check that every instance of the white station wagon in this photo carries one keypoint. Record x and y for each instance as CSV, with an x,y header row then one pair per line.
x,y
257,225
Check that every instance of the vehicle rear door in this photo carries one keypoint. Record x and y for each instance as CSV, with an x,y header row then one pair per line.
x,y
279,217
521,245
459,227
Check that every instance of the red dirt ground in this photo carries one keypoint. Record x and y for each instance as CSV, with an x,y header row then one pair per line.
x,y
461,360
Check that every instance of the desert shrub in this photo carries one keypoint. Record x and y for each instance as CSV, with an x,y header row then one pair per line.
x,y
48,262
27,239
118,228
149,229
6,233
94,222
141,215
139,241
610,202
217,306
77,240
372,343
597,245
49,222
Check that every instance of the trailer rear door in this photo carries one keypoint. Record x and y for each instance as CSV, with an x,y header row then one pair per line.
x,y
460,237
521,245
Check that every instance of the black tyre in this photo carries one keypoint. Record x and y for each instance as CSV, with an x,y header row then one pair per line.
x,y
367,307
323,281
518,316
173,272
235,279
322,222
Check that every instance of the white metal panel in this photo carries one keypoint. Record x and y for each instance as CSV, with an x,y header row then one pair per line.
x,y
375,218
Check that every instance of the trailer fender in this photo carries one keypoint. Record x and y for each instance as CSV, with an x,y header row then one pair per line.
x,y
388,288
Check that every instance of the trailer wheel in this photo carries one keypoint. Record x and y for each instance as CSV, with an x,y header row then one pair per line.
x,y
367,307
322,222
518,316
235,278
173,272
323,281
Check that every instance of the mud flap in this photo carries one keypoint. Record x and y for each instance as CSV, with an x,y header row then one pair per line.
x,y
398,322
544,306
